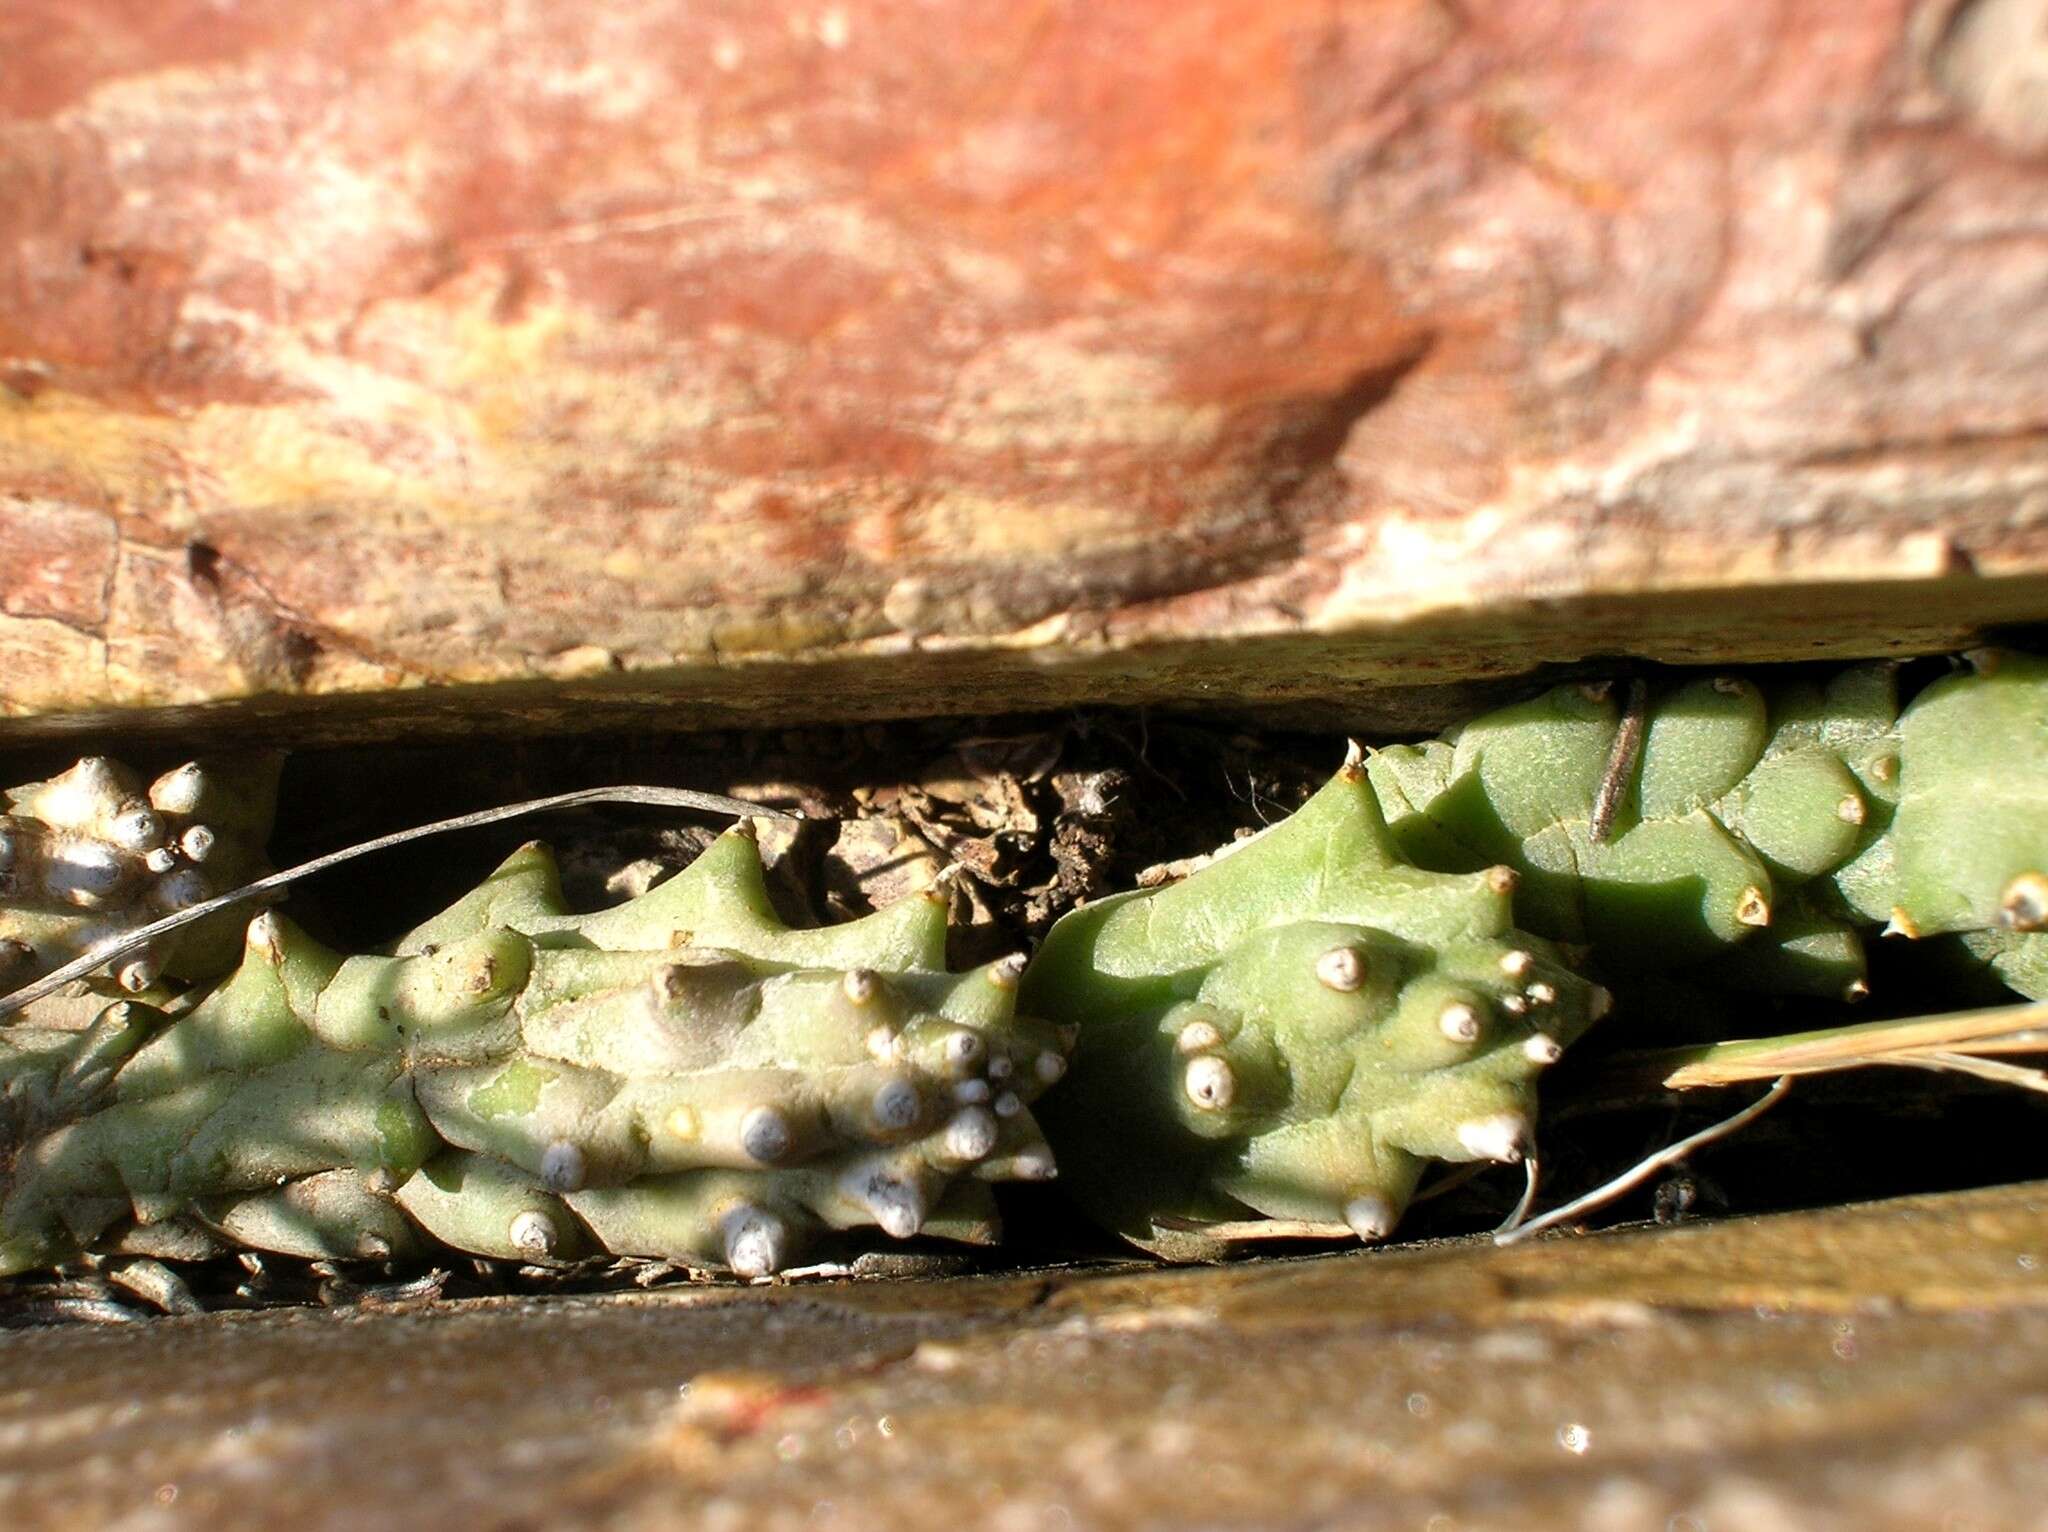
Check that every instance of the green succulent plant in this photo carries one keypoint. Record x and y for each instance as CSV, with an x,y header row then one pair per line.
x,y
681,1076
1293,1032
93,853
1258,1039
1758,835
1280,1043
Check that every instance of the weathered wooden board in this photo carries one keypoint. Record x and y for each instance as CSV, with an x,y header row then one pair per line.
x,y
563,362
1871,1369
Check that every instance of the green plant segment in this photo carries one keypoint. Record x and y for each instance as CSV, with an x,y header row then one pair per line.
x,y
1298,1028
680,1076
1757,836
92,853
1294,1031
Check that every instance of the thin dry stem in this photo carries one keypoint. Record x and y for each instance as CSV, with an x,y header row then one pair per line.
x,y
1640,1172
1910,1040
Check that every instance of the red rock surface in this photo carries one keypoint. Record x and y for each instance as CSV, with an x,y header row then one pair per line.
x,y
352,347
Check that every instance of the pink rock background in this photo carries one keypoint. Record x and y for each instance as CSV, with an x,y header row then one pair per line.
x,y
617,356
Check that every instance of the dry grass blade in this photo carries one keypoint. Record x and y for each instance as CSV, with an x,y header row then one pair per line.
x,y
1946,1040
1532,1172
1249,1229
1643,1169
1983,1069
1952,1043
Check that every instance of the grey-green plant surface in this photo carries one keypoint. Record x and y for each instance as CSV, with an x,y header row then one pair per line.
x,y
1282,1042
93,853
1760,835
1295,1031
680,1077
